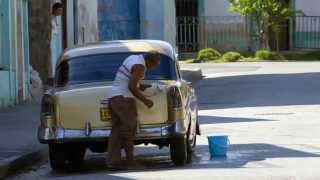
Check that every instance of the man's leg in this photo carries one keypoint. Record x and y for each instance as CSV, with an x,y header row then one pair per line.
x,y
128,129
114,144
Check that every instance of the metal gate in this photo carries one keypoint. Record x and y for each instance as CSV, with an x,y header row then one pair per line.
x,y
307,32
220,32
187,34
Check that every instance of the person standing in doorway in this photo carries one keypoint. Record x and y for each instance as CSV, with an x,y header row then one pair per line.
x,y
56,37
126,88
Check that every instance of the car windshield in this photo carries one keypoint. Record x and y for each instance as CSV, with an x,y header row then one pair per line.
x,y
103,67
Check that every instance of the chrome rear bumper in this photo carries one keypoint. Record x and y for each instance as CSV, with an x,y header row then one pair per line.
x,y
46,135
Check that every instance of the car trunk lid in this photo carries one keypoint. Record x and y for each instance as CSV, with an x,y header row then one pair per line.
x,y
80,106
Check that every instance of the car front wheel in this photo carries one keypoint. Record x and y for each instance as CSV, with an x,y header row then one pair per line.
x,y
179,151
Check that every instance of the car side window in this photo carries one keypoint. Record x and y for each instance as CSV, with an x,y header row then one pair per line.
x,y
62,76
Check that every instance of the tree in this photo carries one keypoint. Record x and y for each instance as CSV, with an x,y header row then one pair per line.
x,y
267,14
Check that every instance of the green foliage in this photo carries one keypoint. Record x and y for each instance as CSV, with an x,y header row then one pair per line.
x,y
273,10
231,57
208,54
267,13
268,55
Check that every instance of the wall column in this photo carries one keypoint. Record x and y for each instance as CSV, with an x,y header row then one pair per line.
x,y
158,20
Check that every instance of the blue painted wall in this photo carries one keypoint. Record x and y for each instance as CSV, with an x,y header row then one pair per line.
x,y
152,19
4,89
118,19
9,54
5,31
7,85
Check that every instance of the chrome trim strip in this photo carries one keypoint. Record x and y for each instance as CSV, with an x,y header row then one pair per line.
x,y
61,134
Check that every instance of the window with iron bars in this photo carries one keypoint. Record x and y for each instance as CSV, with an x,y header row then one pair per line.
x,y
187,25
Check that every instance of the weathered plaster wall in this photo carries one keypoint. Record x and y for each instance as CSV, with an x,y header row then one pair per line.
x,y
5,98
14,52
87,24
309,7
40,35
217,8
118,19
158,20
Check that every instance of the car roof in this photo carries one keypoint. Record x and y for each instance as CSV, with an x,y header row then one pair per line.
x,y
121,46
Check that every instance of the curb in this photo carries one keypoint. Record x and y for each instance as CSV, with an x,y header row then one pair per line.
x,y
12,165
192,75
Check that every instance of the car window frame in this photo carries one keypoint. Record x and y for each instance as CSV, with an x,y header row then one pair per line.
x,y
177,73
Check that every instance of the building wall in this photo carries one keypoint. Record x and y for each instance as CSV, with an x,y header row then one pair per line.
x,y
170,29
87,24
118,19
40,36
215,8
14,70
221,29
158,20
71,24
103,20
306,34
7,83
309,7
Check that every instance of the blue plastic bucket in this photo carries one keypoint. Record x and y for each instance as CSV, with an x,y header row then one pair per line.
x,y
218,146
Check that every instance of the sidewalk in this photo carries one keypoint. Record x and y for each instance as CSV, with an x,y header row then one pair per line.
x,y
19,147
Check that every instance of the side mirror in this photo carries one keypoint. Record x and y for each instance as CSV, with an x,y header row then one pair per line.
x,y
50,82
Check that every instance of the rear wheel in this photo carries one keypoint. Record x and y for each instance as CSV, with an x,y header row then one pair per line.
x,y
66,157
191,144
179,151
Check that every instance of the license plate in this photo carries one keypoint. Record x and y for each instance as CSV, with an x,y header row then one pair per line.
x,y
105,114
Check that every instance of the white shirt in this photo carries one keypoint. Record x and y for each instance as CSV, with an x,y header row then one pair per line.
x,y
120,85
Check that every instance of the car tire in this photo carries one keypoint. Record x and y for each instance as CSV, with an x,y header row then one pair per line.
x,y
190,149
66,157
178,151
191,144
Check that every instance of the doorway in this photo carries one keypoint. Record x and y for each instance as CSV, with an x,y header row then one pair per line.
x,y
187,13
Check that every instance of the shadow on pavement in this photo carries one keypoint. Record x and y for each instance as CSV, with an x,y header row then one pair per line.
x,y
259,90
223,120
239,155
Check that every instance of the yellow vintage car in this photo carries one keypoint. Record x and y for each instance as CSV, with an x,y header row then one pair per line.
x,y
75,115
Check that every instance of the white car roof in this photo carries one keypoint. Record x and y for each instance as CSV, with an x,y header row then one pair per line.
x,y
135,46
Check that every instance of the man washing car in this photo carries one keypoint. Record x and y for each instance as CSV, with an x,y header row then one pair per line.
x,y
126,88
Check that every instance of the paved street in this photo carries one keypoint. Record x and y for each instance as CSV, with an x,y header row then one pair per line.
x,y
270,111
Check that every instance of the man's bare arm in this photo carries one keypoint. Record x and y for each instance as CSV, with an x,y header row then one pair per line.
x,y
137,76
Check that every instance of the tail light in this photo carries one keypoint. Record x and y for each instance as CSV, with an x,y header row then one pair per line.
x,y
175,108
48,113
